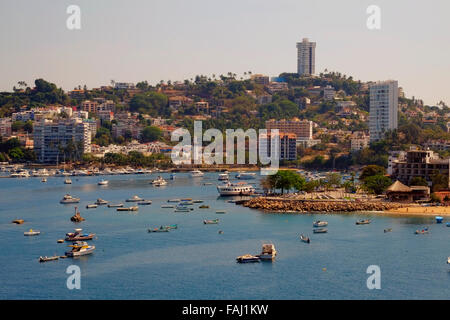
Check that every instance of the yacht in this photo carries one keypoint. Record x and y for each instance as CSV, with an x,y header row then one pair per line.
x,y
69,199
196,173
134,199
246,175
103,182
100,201
78,235
20,174
223,176
268,252
80,248
158,182
235,189
67,181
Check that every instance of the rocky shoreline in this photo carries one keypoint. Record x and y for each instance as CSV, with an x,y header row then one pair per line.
x,y
325,206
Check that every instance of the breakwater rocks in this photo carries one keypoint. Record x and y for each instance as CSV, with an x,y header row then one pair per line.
x,y
289,205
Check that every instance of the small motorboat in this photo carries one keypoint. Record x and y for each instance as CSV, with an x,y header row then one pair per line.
x,y
221,212
172,226
60,241
160,229
45,259
172,176
134,199
183,209
366,221
204,206
134,208
80,248
117,205
197,201
158,182
318,224
78,236
223,176
69,199
174,200
423,231
67,181
448,260
167,206
304,238
439,219
246,258
44,180
215,221
145,202
100,202
320,230
32,232
18,221
91,206
387,230
196,173
103,182
448,224
268,252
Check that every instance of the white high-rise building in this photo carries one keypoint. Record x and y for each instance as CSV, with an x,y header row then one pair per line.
x,y
383,108
306,57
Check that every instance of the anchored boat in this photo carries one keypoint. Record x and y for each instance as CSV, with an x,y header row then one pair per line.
x,y
305,238
247,258
134,199
268,252
100,201
319,223
145,202
45,259
117,205
80,248
158,182
103,182
32,233
215,221
423,231
134,208
235,189
78,236
91,206
160,229
320,230
367,221
69,199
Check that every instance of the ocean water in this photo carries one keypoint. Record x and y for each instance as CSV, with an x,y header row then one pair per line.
x,y
195,261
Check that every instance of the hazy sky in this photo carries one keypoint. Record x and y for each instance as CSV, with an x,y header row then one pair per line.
x,y
156,40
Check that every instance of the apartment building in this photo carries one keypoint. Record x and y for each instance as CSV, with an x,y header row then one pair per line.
x,y
306,57
303,129
383,108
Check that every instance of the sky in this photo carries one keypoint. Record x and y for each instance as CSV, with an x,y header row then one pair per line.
x,y
153,40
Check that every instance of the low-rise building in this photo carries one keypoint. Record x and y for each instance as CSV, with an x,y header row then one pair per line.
x,y
359,141
5,127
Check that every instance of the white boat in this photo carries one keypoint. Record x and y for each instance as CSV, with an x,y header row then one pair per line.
x,y
100,201
20,174
235,189
319,224
91,206
31,233
145,202
167,206
246,258
103,182
80,248
196,173
67,181
246,175
174,200
134,199
69,199
448,260
158,182
223,176
268,252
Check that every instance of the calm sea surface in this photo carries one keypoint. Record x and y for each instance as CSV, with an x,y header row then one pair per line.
x,y
195,261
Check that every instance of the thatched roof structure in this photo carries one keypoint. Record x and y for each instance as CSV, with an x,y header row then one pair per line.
x,y
397,186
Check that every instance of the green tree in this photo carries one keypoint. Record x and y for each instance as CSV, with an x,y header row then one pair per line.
x,y
418,181
372,170
377,183
150,134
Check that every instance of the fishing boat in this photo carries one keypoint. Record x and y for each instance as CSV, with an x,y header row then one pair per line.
x,y
223,176
80,248
145,202
196,173
423,231
172,226
182,209
167,206
69,199
91,206
221,212
305,238
215,221
45,259
160,229
134,208
117,205
235,189
174,200
245,175
103,182
268,252
134,199
367,221
246,258
32,232
67,181
204,206
79,236
44,180
197,201
319,223
100,202
158,182
388,230
18,221
320,230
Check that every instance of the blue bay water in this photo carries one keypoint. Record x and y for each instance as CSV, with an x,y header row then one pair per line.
x,y
195,261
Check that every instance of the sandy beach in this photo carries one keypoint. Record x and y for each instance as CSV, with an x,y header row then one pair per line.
x,y
420,211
